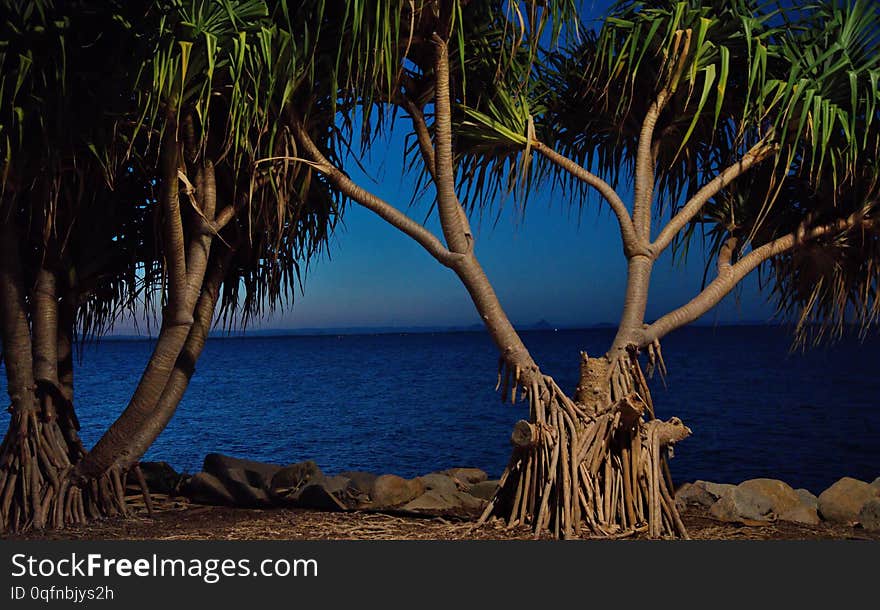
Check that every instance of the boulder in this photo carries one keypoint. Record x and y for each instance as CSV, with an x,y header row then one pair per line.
x,y
468,476
290,479
361,481
760,500
390,490
692,493
808,498
338,485
245,490
869,515
204,488
319,497
700,493
160,477
435,502
715,489
257,474
802,513
484,490
876,483
842,502
439,482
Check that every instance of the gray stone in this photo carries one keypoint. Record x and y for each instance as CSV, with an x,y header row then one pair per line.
x,y
160,477
869,515
439,482
361,481
807,498
290,479
390,490
691,493
842,502
204,488
802,513
241,485
715,489
758,500
317,496
338,485
437,502
468,476
484,490
257,474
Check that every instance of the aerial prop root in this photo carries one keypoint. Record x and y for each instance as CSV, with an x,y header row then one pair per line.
x,y
38,485
575,473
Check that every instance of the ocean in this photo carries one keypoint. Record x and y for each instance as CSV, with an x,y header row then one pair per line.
x,y
412,403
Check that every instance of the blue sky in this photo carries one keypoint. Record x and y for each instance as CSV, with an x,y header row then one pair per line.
x,y
551,264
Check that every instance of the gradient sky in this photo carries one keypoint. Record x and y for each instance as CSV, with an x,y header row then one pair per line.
x,y
551,264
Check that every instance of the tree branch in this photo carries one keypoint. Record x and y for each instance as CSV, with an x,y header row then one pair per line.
x,y
422,134
754,156
384,210
644,171
631,242
452,218
729,275
172,226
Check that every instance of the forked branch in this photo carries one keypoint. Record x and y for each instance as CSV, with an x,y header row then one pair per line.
x,y
729,275
644,171
381,208
631,242
689,211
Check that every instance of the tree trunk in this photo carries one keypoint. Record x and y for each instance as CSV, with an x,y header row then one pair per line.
x,y
36,457
116,448
596,462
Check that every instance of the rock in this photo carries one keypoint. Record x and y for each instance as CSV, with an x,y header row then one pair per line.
x,y
292,478
338,485
257,474
802,513
700,493
204,488
876,483
808,498
361,481
439,482
691,493
244,488
484,490
842,502
437,502
160,477
869,515
715,489
469,476
391,490
759,500
318,496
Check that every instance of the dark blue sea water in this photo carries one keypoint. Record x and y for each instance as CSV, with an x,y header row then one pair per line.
x,y
413,403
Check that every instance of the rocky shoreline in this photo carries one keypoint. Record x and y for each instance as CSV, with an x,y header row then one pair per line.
x,y
463,492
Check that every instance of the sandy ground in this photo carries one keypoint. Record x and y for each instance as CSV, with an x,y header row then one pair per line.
x,y
175,520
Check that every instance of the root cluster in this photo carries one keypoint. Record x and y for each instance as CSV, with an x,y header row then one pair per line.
x,y
577,470
37,484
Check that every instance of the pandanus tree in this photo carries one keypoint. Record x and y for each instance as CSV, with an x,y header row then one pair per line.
x,y
754,129
146,126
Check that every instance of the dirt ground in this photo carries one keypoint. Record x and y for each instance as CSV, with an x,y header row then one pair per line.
x,y
175,520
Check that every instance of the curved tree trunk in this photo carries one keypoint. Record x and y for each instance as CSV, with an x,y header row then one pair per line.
x,y
133,432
